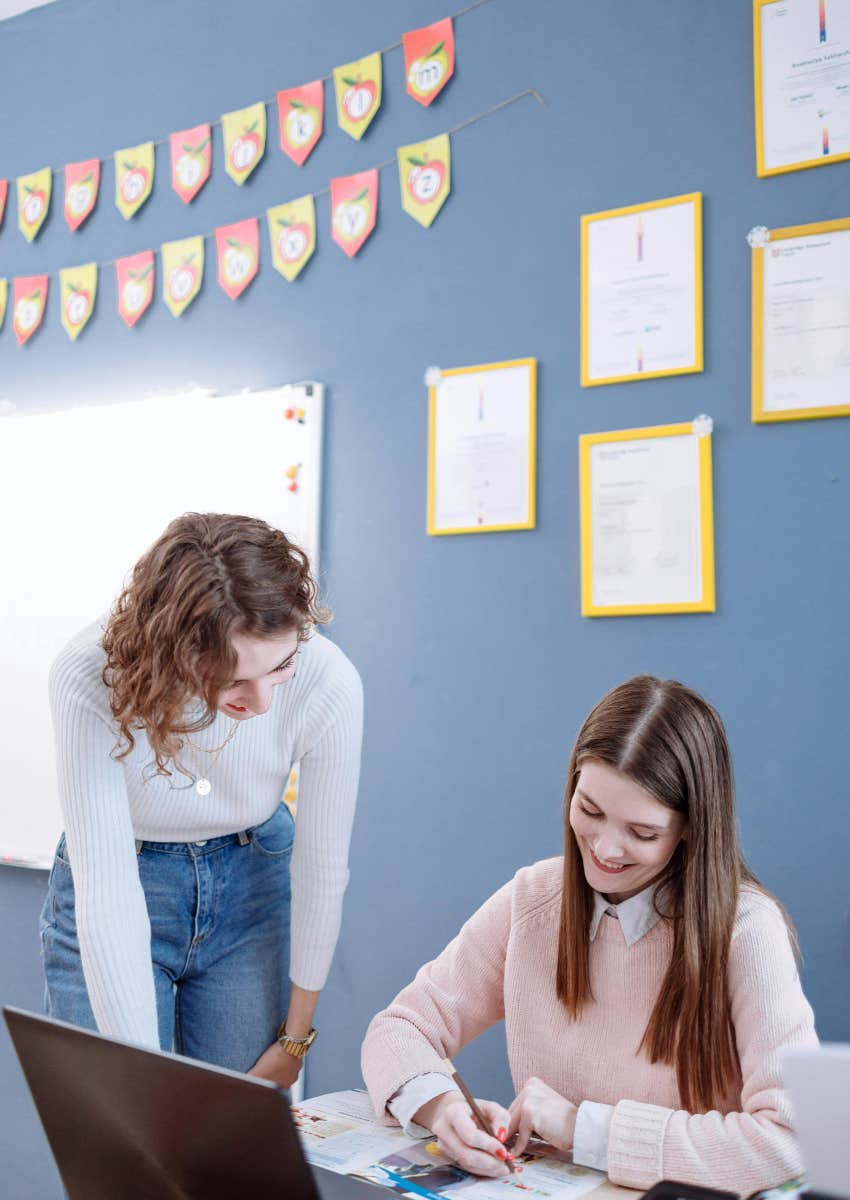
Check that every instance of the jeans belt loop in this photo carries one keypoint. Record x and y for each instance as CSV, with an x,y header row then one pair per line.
x,y
139,844
244,837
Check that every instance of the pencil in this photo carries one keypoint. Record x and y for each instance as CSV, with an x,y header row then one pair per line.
x,y
476,1111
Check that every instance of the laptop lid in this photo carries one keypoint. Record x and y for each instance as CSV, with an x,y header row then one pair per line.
x,y
144,1125
818,1080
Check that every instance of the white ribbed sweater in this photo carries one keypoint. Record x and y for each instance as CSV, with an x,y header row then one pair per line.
x,y
315,719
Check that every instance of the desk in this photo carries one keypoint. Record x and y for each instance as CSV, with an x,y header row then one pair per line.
x,y
343,1187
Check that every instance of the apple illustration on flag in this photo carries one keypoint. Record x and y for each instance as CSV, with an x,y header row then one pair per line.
x,y
80,195
293,240
133,182
182,280
188,168
352,216
135,291
238,262
34,206
245,148
77,304
425,178
428,72
301,123
359,98
27,311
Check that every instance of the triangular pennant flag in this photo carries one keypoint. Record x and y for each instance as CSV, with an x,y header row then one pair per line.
x,y
300,113
79,288
134,169
33,201
134,280
429,59
238,247
4,297
244,134
292,230
4,192
354,208
424,171
82,181
191,160
182,272
28,300
358,93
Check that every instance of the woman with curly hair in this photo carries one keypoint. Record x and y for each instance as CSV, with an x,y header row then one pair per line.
x,y
169,920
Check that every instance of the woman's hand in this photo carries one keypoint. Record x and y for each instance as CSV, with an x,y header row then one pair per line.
x,y
460,1139
540,1110
275,1064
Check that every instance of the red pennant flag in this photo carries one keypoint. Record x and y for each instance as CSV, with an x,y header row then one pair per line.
x,y
429,59
191,160
354,209
238,249
30,297
82,181
300,113
4,192
134,279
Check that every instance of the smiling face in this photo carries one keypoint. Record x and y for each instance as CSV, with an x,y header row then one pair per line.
x,y
262,664
625,836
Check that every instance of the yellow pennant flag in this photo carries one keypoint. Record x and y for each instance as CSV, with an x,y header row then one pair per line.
x,y
79,287
34,201
244,140
292,229
133,178
424,171
358,93
4,298
182,272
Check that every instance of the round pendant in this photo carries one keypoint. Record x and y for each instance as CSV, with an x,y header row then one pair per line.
x,y
203,787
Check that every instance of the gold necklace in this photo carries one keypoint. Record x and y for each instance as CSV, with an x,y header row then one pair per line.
x,y
202,784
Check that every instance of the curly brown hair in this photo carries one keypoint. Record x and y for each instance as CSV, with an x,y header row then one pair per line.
x,y
169,636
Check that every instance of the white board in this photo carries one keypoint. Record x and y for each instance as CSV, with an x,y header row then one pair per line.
x,y
83,493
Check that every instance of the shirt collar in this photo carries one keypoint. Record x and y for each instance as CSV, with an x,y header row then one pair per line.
x,y
636,915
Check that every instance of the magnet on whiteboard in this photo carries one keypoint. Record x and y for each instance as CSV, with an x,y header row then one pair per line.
x,y
433,375
702,425
758,237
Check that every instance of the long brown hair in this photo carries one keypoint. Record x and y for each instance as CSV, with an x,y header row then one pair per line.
x,y
168,640
672,743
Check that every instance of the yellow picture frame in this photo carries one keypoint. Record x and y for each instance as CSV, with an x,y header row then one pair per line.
x,y
587,220
762,171
437,531
706,602
760,415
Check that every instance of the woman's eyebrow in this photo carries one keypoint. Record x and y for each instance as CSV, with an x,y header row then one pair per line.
x,y
642,824
282,662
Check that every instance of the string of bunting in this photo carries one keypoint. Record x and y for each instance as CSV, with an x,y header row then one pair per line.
x,y
425,182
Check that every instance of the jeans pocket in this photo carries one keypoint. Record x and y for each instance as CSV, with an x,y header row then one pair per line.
x,y
274,837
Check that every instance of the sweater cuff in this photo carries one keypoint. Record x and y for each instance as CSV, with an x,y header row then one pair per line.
x,y
635,1144
590,1140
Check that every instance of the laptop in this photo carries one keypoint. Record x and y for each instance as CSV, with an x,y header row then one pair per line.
x,y
145,1125
818,1081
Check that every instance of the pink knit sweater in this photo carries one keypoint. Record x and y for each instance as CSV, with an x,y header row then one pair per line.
x,y
502,966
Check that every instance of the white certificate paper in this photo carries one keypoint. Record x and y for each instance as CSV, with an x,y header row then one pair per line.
x,y
482,450
806,322
804,99
645,523
642,292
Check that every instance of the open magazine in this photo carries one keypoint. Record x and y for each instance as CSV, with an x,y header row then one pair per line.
x,y
339,1132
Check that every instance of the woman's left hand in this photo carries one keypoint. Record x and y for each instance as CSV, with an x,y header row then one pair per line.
x,y
540,1110
278,1066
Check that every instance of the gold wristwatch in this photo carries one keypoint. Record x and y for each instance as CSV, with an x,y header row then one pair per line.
x,y
297,1047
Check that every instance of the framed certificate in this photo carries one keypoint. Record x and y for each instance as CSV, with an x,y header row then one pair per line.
x,y
801,323
801,67
647,540
641,291
482,448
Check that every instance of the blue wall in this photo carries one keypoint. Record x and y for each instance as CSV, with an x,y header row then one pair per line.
x,y
477,665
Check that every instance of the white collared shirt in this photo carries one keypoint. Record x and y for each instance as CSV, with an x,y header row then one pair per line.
x,y
637,916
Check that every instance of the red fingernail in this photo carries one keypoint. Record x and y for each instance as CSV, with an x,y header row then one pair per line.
x,y
502,1134
503,1154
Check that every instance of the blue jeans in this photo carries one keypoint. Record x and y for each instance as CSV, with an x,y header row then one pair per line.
x,y
219,914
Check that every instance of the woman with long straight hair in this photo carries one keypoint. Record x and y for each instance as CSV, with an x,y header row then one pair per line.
x,y
173,916
646,979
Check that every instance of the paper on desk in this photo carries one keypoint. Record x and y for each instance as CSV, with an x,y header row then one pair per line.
x,y
339,1132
